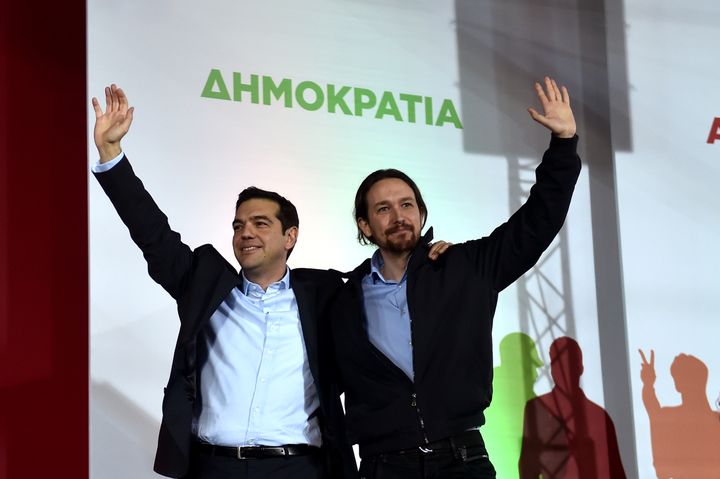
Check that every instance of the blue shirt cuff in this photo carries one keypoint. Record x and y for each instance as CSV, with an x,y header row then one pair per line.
x,y
101,168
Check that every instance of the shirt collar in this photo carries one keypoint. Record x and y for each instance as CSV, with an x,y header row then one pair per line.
x,y
248,286
376,264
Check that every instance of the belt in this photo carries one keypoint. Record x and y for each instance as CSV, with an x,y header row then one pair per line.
x,y
256,452
456,445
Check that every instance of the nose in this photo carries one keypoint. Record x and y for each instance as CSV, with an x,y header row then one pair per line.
x,y
396,215
246,231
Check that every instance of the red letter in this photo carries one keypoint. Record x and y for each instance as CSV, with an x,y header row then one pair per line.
x,y
714,131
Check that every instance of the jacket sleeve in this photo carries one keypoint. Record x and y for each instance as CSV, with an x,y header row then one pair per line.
x,y
516,245
169,259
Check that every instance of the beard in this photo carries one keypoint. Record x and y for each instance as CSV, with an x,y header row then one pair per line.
x,y
401,244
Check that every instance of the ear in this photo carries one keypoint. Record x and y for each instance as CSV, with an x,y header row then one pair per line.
x,y
291,236
364,227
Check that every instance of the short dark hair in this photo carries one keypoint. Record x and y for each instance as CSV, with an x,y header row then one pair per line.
x,y
361,202
287,213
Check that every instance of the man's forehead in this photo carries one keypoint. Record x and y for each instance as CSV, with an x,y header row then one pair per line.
x,y
391,188
257,207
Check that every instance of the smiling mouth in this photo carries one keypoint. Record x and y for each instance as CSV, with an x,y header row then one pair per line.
x,y
403,229
248,249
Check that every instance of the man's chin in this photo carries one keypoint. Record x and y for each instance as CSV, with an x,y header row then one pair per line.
x,y
402,246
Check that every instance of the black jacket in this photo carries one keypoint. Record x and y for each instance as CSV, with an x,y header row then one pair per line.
x,y
451,303
199,280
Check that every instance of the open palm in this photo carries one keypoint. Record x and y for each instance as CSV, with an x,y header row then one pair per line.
x,y
557,115
111,125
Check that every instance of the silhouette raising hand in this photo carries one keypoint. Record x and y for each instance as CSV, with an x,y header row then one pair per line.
x,y
647,371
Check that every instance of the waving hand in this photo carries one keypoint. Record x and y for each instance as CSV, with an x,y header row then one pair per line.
x,y
111,125
557,115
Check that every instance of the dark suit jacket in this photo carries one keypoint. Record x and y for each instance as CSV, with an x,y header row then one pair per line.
x,y
199,280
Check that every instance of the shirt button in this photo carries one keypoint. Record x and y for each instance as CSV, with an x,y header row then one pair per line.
x,y
262,380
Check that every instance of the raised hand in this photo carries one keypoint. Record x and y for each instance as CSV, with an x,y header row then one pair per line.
x,y
647,370
112,125
558,116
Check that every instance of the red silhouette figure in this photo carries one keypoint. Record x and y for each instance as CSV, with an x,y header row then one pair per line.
x,y
565,435
685,438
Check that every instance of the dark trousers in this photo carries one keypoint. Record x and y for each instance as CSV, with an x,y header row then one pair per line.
x,y
472,463
206,466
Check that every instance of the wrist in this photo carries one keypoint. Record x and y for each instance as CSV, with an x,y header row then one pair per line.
x,y
108,151
567,134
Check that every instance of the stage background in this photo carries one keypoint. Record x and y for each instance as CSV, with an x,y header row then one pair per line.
x,y
634,267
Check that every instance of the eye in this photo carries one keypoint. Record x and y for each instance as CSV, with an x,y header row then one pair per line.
x,y
407,204
382,209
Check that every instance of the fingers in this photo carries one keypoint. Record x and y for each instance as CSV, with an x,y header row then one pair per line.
x,y
108,99
558,94
438,248
565,95
96,107
551,92
115,99
550,89
644,358
128,119
541,94
122,100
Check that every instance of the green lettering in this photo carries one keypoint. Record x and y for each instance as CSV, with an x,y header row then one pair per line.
x,y
252,87
364,100
300,95
388,106
448,114
411,101
215,78
428,111
336,99
283,89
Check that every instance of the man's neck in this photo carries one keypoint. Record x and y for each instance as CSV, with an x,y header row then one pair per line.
x,y
394,265
265,279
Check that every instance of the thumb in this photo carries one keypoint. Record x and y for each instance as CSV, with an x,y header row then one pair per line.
x,y
536,116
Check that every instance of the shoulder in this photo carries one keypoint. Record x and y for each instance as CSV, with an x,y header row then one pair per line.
x,y
320,278
206,255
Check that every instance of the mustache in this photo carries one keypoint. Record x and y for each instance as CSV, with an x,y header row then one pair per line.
x,y
399,227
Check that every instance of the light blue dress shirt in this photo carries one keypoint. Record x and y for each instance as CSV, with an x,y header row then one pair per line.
x,y
255,385
387,318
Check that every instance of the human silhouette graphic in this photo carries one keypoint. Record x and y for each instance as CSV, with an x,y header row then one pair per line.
x,y
685,438
513,382
565,435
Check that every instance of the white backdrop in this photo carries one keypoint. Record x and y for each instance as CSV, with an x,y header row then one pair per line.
x,y
195,154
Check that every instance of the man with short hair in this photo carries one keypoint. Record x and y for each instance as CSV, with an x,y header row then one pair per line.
x,y
413,337
250,393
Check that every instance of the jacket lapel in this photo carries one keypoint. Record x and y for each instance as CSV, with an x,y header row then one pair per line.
x,y
305,292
